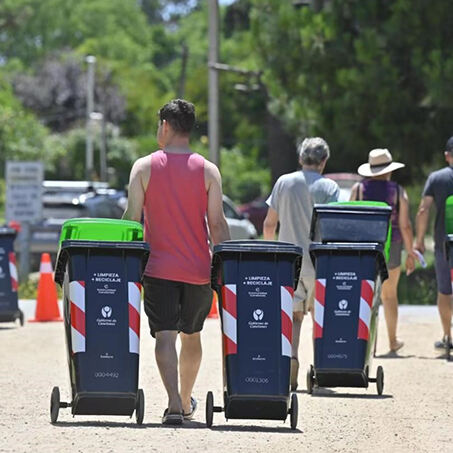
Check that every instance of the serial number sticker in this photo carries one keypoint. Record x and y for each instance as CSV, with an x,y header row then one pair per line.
x,y
102,374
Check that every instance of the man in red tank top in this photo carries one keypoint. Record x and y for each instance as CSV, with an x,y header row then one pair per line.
x,y
180,196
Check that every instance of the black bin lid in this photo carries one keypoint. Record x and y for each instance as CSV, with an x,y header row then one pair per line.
x,y
258,246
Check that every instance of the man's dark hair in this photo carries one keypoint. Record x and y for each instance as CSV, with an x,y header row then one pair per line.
x,y
180,114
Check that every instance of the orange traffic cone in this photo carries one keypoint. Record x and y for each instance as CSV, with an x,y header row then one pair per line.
x,y
214,313
47,300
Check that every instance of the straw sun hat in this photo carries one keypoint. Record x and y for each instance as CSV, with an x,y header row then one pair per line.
x,y
380,162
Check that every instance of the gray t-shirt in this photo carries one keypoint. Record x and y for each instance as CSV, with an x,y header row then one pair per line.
x,y
293,197
439,185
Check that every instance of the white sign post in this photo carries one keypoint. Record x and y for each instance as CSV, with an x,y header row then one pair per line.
x,y
24,203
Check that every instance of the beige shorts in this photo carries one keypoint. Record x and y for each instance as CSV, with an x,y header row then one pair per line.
x,y
304,294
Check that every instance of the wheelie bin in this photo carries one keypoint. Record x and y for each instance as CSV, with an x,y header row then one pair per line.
x,y
449,251
350,268
9,281
101,282
255,283
347,291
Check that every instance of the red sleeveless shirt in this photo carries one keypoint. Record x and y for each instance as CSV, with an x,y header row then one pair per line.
x,y
175,211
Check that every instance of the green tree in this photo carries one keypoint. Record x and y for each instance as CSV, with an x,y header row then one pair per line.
x,y
363,74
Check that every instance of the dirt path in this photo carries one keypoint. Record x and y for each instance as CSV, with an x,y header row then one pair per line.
x,y
415,414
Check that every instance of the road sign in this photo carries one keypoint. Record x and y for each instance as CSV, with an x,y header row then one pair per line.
x,y
24,191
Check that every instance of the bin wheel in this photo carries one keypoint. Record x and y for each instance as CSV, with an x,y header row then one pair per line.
x,y
54,404
209,409
310,379
21,318
380,380
294,411
140,407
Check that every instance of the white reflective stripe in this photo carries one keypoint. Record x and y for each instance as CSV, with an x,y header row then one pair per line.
x,y
319,313
13,270
286,301
365,312
232,288
286,346
134,295
78,341
134,342
45,268
229,326
77,294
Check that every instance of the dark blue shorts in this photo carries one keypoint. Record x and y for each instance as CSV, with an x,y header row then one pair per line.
x,y
442,272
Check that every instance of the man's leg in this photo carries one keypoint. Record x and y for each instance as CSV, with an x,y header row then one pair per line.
x,y
189,364
390,302
298,317
167,362
444,306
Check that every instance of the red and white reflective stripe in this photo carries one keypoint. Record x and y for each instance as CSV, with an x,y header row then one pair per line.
x,y
286,297
366,302
320,300
77,298
229,319
134,296
13,272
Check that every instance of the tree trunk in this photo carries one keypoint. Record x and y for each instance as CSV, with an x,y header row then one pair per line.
x,y
282,148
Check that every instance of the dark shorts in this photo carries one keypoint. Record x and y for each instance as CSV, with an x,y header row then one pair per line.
x,y
442,272
172,305
395,255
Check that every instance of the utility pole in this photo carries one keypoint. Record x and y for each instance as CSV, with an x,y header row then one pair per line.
x,y
91,61
213,93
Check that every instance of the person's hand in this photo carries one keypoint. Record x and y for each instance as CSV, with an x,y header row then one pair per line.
x,y
420,246
410,263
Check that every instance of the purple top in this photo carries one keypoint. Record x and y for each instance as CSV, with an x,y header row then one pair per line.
x,y
386,191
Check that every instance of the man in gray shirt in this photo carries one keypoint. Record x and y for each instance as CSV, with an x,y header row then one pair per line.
x,y
291,205
438,188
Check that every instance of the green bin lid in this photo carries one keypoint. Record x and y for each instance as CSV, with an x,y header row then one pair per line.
x,y
449,215
372,203
101,230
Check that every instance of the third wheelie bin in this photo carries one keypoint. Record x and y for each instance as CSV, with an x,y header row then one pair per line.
x,y
449,254
349,273
9,282
101,282
255,283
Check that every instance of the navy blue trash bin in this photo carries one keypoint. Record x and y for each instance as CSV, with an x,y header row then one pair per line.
x,y
347,295
255,283
9,282
102,290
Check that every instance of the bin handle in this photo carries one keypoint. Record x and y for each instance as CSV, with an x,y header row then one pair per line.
x,y
297,269
215,264
62,260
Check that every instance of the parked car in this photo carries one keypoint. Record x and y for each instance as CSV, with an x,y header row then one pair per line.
x,y
346,181
64,200
256,212
240,227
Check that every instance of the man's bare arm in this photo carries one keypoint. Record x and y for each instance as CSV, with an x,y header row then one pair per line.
x,y
136,192
270,224
218,226
422,222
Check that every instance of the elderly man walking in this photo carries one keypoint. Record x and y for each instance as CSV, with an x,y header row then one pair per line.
x,y
177,190
438,188
291,205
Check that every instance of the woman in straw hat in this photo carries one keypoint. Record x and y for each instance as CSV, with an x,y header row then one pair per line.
x,y
377,186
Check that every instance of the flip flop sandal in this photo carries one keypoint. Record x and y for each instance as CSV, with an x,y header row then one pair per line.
x,y
193,408
172,419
